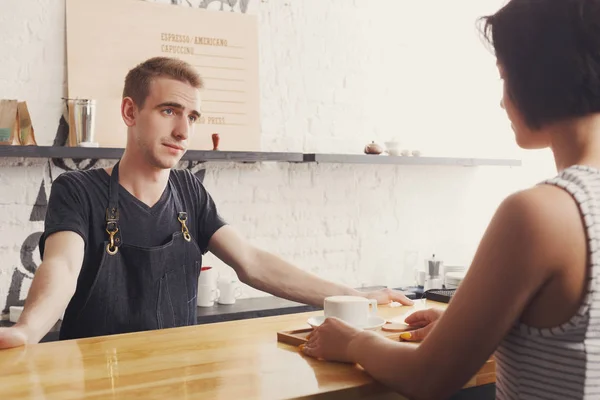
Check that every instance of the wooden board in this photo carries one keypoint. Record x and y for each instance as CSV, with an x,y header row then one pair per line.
x,y
296,337
106,38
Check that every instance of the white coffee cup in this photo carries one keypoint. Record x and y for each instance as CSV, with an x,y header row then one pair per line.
x,y
420,277
354,310
208,276
392,148
15,313
230,289
207,294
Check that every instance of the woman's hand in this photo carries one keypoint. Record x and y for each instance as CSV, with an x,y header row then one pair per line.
x,y
425,320
331,341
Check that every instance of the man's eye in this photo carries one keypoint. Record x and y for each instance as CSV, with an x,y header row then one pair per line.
x,y
168,111
193,118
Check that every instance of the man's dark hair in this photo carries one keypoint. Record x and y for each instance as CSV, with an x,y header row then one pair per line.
x,y
138,80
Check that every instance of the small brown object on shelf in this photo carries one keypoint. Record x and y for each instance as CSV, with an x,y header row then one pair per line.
x,y
215,140
26,131
9,123
373,148
69,115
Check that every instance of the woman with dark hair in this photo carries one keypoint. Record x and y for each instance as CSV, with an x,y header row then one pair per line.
x,y
532,293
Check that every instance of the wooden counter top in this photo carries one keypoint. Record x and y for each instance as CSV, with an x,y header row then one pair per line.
x,y
229,360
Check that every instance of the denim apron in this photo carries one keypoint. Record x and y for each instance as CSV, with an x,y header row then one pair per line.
x,y
139,288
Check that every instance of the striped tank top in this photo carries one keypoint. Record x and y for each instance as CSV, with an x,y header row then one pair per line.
x,y
562,362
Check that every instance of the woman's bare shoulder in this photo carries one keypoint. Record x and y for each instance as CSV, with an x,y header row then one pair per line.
x,y
549,217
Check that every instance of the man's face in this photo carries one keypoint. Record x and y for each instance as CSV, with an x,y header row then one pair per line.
x,y
161,129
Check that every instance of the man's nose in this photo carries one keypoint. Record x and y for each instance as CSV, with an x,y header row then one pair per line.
x,y
182,129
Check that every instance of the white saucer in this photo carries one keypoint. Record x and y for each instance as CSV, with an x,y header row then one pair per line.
x,y
373,322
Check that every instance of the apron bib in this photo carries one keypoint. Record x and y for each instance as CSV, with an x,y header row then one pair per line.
x,y
139,288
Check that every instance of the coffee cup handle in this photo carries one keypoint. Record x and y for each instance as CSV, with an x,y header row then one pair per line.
x,y
237,292
217,294
373,306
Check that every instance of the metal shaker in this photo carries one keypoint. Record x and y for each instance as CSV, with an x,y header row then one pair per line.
x,y
433,267
84,111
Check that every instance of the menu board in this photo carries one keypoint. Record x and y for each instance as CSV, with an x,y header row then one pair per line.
x,y
106,38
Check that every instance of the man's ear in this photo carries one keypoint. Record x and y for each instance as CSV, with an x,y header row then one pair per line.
x,y
128,111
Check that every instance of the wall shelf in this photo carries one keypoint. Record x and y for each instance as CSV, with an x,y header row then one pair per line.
x,y
115,153
408,160
244,156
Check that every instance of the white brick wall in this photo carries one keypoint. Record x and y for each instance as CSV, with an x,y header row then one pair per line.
x,y
334,76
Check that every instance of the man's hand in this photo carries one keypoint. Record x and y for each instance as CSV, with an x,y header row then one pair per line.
x,y
386,296
12,337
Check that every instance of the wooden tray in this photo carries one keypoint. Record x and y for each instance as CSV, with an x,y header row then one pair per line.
x,y
297,337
